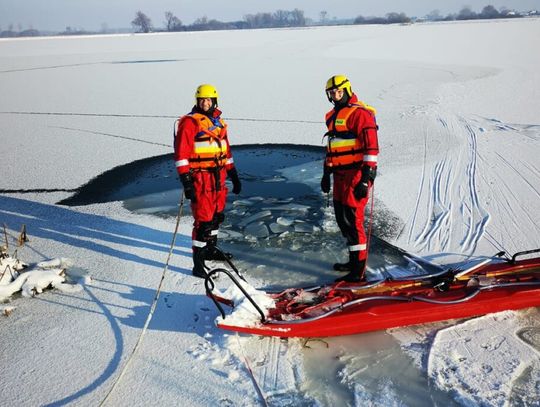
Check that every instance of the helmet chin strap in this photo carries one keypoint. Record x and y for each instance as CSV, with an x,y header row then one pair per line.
x,y
344,101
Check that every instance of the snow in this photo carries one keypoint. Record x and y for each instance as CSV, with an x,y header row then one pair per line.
x,y
244,313
35,279
458,114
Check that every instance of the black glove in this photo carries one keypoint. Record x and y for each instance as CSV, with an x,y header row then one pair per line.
x,y
368,176
237,185
325,181
189,190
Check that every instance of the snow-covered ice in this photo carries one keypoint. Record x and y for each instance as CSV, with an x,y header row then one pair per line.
x,y
460,139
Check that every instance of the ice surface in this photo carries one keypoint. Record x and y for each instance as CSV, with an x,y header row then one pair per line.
x,y
449,133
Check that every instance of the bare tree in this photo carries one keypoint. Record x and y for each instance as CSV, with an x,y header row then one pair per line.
x,y
298,19
172,23
142,22
490,12
466,14
434,15
394,18
281,18
323,15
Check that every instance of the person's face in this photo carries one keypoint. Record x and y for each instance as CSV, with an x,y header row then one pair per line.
x,y
336,94
204,104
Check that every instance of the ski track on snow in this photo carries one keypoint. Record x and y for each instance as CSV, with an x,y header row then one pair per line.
x,y
461,189
452,208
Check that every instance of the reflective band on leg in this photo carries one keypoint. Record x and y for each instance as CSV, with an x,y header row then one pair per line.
x,y
198,243
357,247
214,232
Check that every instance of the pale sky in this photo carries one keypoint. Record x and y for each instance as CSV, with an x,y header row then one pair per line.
x,y
56,15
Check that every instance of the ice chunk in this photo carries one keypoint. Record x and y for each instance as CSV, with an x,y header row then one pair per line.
x,y
229,234
242,202
303,228
252,218
277,228
257,229
289,207
284,221
238,212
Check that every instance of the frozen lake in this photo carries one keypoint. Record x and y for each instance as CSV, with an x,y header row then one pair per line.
x,y
458,114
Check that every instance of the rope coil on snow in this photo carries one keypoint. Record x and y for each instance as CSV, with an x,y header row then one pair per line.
x,y
153,306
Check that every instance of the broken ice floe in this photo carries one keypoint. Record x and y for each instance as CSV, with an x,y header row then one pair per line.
x,y
277,228
252,218
284,221
257,229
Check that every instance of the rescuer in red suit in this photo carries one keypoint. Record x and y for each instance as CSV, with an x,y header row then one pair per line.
x,y
203,160
351,158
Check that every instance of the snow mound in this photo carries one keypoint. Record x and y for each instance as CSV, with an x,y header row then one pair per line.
x,y
50,273
244,313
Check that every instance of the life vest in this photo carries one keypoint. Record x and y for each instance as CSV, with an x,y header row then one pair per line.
x,y
345,149
210,144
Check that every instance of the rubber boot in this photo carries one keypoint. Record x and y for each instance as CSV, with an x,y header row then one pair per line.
x,y
198,263
343,267
214,254
356,274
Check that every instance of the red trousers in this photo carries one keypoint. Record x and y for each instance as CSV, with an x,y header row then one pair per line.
x,y
349,211
207,210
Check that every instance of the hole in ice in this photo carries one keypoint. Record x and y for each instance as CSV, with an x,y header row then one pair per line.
x,y
281,228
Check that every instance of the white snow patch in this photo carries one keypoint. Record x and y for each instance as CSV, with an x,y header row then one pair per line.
x,y
50,273
483,359
244,313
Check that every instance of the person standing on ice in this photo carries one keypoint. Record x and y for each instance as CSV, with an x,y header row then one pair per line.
x,y
351,157
203,160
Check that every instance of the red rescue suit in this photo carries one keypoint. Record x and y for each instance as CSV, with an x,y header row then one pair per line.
x,y
201,147
352,144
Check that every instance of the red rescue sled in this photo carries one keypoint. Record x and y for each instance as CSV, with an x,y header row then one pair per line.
x,y
493,285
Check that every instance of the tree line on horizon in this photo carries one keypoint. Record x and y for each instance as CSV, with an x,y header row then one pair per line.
x,y
279,19
295,18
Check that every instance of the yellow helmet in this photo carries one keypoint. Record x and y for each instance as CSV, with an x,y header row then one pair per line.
x,y
206,91
339,82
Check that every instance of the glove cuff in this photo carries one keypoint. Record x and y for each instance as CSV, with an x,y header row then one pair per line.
x,y
186,179
233,174
368,173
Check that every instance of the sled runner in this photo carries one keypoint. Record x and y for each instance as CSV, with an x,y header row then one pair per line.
x,y
493,285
